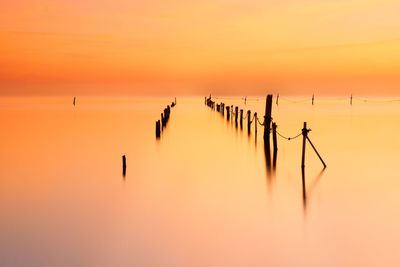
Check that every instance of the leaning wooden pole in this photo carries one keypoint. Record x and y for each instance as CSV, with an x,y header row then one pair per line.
x,y
319,156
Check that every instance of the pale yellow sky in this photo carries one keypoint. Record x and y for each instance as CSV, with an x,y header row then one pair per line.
x,y
193,47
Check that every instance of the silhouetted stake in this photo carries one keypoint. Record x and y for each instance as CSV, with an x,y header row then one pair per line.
x,y
223,109
277,99
267,117
218,107
158,130
304,132
274,137
123,165
175,100
245,99
162,120
241,118
236,114
227,113
312,102
248,121
205,100
351,99
74,101
255,122
305,137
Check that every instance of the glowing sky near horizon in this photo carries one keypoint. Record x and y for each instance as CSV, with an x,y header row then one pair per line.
x,y
194,47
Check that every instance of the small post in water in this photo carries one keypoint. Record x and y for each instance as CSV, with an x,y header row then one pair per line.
x,y
303,155
123,165
158,131
255,122
248,121
351,99
312,101
241,118
227,113
277,99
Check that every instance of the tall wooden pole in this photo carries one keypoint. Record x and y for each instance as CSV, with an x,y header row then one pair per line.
x,y
304,133
267,117
248,121
277,99
255,122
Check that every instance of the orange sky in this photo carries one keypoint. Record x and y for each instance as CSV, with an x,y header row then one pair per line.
x,y
131,47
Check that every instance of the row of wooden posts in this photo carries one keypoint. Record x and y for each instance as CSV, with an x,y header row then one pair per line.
x,y
161,124
267,124
312,99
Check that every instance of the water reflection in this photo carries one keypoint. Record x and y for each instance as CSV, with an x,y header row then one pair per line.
x,y
314,183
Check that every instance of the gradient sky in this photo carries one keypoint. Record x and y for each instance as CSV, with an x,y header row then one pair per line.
x,y
131,47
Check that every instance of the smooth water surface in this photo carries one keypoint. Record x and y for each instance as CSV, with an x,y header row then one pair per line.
x,y
201,195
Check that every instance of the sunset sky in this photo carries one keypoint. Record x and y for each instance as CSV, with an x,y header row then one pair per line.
x,y
184,47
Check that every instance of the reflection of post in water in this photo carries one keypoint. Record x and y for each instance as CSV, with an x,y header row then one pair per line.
x,y
275,144
267,151
304,189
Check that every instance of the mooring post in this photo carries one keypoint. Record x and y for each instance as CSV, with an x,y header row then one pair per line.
x,y
162,120
158,131
227,113
123,165
255,122
74,101
241,118
312,102
236,114
351,99
274,137
248,121
205,100
267,117
277,99
223,109
304,132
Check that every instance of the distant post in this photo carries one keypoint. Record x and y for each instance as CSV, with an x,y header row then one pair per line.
x,y
241,118
351,99
277,99
312,101
236,114
255,122
227,113
158,131
304,133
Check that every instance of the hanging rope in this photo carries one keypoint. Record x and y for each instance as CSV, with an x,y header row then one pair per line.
x,y
289,138
262,124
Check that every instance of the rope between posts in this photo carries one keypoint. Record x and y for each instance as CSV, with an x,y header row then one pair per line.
x,y
289,138
262,124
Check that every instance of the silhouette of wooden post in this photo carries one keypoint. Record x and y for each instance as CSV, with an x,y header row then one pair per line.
x,y
267,117
218,107
312,101
227,113
277,99
305,137
205,100
236,114
248,121
123,165
241,118
255,122
304,133
245,100
162,120
351,99
158,131
74,101
274,137
223,109
175,100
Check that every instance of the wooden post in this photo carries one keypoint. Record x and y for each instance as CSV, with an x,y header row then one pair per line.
x,y
351,99
312,101
205,100
304,133
255,122
227,113
241,118
218,107
248,121
236,114
158,131
175,100
223,109
245,100
123,165
74,101
277,99
162,120
267,117
274,137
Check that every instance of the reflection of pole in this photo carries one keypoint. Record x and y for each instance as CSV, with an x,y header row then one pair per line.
x,y
304,188
274,137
